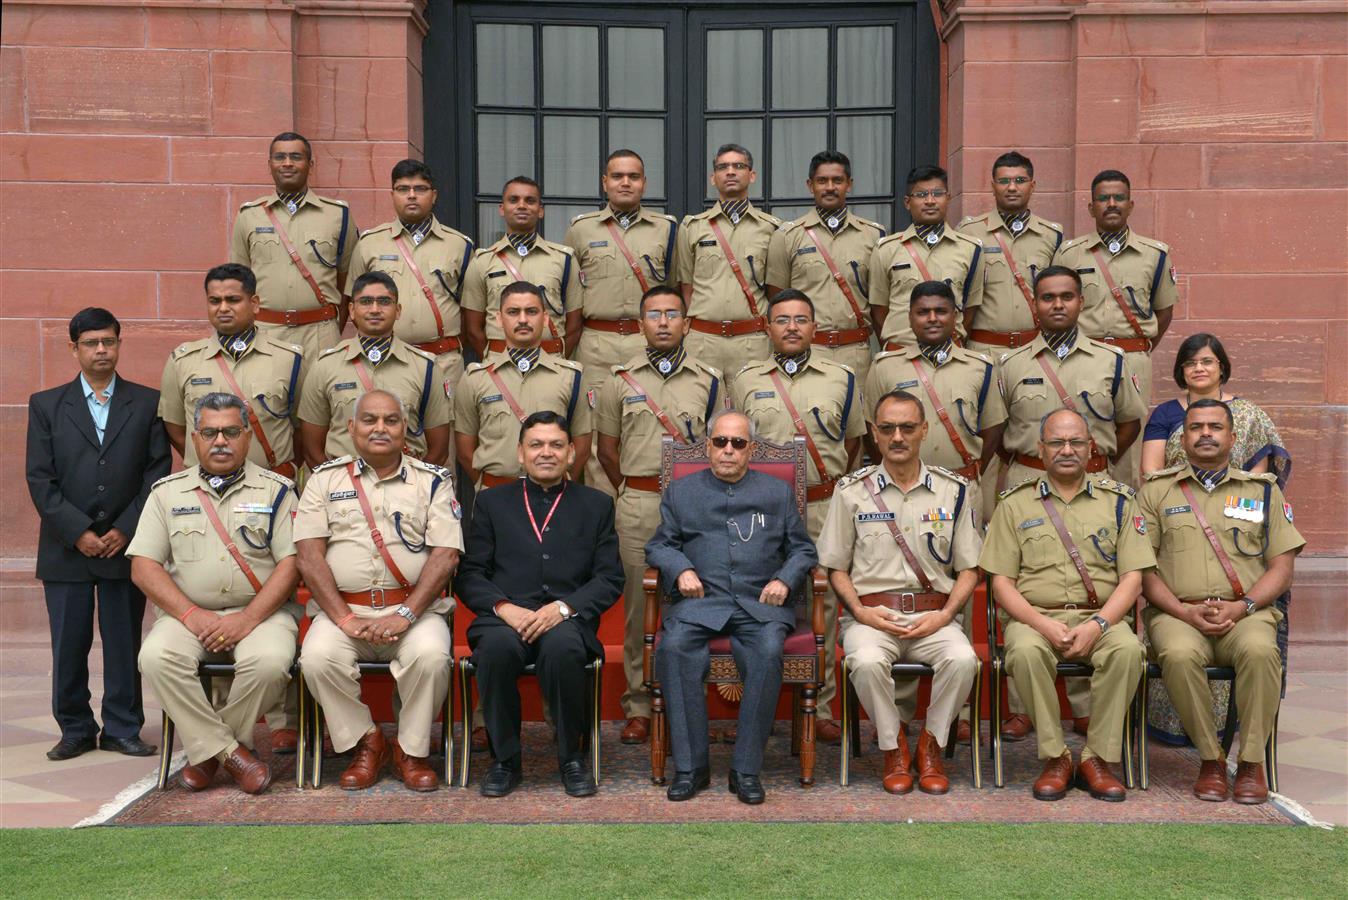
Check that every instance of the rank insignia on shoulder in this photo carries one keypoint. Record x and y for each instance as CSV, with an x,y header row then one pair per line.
x,y
1140,524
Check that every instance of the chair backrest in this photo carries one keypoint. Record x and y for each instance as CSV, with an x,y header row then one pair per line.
x,y
784,461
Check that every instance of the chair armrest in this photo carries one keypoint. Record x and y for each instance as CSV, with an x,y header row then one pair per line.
x,y
650,586
818,590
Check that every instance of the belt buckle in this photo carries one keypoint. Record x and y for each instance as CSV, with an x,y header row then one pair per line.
x,y
1070,606
726,326
1015,339
291,319
379,603
908,599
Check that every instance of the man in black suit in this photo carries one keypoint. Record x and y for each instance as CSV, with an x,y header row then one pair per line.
x,y
95,447
540,568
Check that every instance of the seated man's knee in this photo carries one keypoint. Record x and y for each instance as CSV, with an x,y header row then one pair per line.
x,y
868,660
266,663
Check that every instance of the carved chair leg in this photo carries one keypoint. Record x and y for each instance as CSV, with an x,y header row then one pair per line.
x,y
808,712
659,735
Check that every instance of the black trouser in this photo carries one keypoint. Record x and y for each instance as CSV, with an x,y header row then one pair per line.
x,y
70,611
560,656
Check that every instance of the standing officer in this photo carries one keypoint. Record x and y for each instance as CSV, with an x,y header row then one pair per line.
x,y
1128,287
660,392
826,254
902,599
925,251
238,360
299,245
798,393
214,554
522,255
1063,596
374,358
388,605
427,260
1214,602
723,264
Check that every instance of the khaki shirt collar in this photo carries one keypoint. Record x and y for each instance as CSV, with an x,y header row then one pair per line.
x,y
1188,473
1045,487
1039,345
924,479
609,213
499,358
947,234
1093,240
366,471
274,198
190,484
812,220
351,348
541,245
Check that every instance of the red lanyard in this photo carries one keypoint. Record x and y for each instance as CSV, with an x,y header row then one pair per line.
x,y
538,532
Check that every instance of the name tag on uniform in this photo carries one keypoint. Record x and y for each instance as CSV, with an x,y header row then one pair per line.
x,y
803,250
253,508
901,266
186,510
1032,381
904,385
710,243
598,243
492,398
875,517
264,229
1176,510
201,381
342,495
391,257
1089,270
763,395
500,274
1030,523
636,398
344,386
987,249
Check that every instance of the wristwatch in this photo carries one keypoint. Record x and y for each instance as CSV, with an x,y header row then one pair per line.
x,y
1250,606
406,613
564,609
1102,622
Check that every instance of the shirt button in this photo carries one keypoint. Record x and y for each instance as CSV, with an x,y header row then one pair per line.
x,y
102,514
545,588
101,488
102,462
545,556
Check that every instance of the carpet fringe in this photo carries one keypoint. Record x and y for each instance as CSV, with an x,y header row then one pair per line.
x,y
129,795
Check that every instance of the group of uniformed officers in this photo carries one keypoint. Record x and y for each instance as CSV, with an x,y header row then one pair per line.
x,y
1013,374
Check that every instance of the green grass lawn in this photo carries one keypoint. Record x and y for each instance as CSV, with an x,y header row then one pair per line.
x,y
676,860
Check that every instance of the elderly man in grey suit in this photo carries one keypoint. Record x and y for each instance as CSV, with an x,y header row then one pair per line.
x,y
733,545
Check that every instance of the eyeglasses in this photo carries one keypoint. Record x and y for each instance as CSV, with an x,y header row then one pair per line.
x,y
783,321
231,433
403,190
1019,179
1206,362
95,343
1077,445
719,442
383,302
655,315
737,166
935,195
279,157
1105,198
906,429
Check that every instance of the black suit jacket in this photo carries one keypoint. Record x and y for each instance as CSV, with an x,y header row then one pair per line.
x,y
80,485
577,562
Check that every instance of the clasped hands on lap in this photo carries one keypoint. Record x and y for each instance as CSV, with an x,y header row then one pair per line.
x,y
774,593
890,622
530,624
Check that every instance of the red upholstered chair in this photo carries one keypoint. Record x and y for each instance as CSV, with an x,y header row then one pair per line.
x,y
803,654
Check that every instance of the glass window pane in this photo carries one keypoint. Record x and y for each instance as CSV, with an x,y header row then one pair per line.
x,y
876,212
800,68
865,61
636,68
505,148
571,161
789,212
557,218
505,65
867,142
794,141
489,224
748,133
647,137
735,69
570,66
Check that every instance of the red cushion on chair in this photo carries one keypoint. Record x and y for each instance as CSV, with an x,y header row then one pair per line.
x,y
799,643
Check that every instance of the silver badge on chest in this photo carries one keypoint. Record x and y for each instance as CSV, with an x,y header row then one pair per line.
x,y
1062,351
524,365
1018,226
1115,246
932,239
942,356
523,249
417,237
833,222
791,366
375,354
239,345
665,366
216,481
291,207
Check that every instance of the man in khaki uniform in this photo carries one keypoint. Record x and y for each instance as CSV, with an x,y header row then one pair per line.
x,y
374,358
660,392
299,246
826,254
427,260
1205,609
723,264
798,393
1066,553
375,599
1128,282
896,612
927,250
522,255
213,552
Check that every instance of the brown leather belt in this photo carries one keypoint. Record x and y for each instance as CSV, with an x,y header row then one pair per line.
x,y
821,491
615,326
1096,463
552,345
971,471
286,469
1128,345
730,328
1203,599
844,338
905,601
489,480
1002,338
893,345
1084,604
643,482
377,598
297,316
440,345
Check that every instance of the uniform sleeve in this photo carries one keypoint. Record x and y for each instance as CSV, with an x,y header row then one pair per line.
x,y
347,250
238,244
672,255
1001,550
283,526
608,412
465,408
685,256
838,536
1282,534
314,406
1133,551
973,286
779,260
438,409
572,290
475,284
444,526
171,407
582,420
877,278
1129,404
1166,292
1149,501
993,412
968,540
151,538
300,380
311,516
856,417
874,390
360,260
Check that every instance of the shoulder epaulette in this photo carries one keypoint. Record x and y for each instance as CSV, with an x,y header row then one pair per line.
x,y
475,366
585,215
1017,486
1242,475
854,477
953,476
876,225
187,347
429,467
422,353
293,348
277,477
1162,473
667,217
969,220
1054,225
1010,353
623,367
886,354
978,355
833,362
893,236
749,365
1152,242
482,251
181,473
383,226
959,235
257,202
334,201
553,245
1073,242
705,214
1101,344
333,463
712,370
569,363
1117,487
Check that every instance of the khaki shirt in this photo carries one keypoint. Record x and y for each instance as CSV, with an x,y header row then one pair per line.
x,y
795,262
609,287
481,410
1184,558
826,395
413,507
442,256
270,373
717,296
1104,523
321,231
965,385
1092,373
1140,270
936,520
174,531
955,259
333,387
550,266
689,397
1004,307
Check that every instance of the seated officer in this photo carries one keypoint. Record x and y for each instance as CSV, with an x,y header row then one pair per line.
x,y
387,605
1064,600
1200,612
902,601
218,606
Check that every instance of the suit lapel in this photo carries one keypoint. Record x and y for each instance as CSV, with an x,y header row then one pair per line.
x,y
78,412
118,414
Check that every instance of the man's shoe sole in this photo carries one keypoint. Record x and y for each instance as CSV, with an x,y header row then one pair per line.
x,y
1084,785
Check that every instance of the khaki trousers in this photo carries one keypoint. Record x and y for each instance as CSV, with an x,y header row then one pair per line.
x,y
313,338
815,514
1251,647
729,354
169,658
637,515
420,666
599,352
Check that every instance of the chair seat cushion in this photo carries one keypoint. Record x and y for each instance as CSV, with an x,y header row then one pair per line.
x,y
798,643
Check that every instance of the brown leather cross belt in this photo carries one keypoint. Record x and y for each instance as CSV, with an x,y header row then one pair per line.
x,y
1096,463
844,338
1002,338
821,491
297,316
615,326
1128,345
730,327
893,345
905,601
377,598
551,345
439,345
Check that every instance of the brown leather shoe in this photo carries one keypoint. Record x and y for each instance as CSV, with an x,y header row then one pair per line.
x,y
1211,783
415,771
931,777
1053,782
1082,725
250,773
480,740
963,733
637,730
1016,727
368,757
1250,786
827,731
1093,775
199,777
897,779
284,740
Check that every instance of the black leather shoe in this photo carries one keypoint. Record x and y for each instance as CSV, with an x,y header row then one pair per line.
x,y
69,748
747,787
132,746
576,779
686,785
501,779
